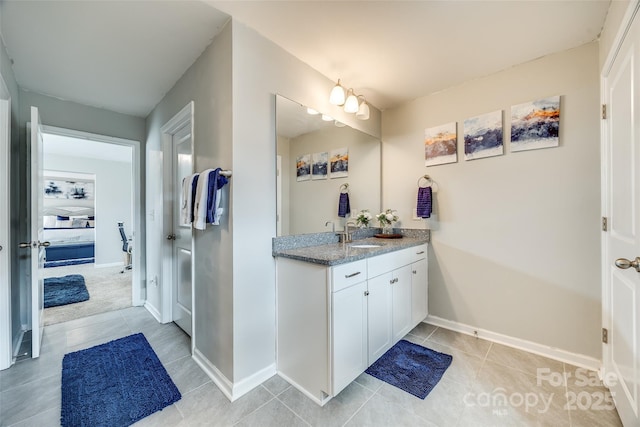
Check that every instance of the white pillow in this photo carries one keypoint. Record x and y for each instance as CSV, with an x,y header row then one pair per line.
x,y
79,222
49,221
64,224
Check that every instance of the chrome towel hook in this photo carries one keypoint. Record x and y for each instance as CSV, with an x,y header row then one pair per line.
x,y
344,188
427,181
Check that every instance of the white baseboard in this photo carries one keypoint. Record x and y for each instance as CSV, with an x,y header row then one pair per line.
x,y
228,388
320,402
154,311
576,359
223,383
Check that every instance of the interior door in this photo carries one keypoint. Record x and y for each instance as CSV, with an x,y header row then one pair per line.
x,y
37,244
182,239
621,302
6,355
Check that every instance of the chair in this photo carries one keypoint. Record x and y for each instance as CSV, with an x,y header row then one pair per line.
x,y
127,248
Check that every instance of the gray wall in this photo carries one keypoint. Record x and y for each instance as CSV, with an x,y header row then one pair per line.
x,y
113,185
516,238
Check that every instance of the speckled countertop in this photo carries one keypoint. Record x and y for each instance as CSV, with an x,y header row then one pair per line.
x,y
340,253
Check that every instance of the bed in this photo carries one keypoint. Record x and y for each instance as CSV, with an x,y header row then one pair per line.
x,y
71,238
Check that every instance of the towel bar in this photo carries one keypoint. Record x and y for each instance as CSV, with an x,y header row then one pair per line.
x,y
428,180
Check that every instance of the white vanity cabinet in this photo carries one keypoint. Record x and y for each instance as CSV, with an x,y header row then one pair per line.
x,y
334,322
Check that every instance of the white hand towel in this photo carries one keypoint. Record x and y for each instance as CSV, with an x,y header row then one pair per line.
x,y
200,214
186,207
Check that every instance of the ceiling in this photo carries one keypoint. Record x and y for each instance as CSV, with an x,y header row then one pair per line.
x,y
125,55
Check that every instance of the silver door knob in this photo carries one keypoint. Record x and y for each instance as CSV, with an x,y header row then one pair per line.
x,y
24,245
171,237
44,244
625,263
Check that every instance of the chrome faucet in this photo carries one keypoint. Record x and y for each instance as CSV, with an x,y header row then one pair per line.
x,y
333,226
347,234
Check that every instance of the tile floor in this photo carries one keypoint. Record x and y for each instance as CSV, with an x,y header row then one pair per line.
x,y
486,385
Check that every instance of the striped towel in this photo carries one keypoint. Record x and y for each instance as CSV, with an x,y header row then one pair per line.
x,y
424,202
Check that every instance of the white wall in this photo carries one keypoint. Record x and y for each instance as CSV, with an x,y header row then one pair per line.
x,y
113,183
516,238
260,70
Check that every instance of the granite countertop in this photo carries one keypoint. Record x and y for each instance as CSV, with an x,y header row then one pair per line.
x,y
340,253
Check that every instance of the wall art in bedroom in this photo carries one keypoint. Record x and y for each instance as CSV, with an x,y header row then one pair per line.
x,y
440,145
535,124
319,165
483,136
339,163
303,167
56,188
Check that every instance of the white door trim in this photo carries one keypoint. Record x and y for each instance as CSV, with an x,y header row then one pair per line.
x,y
137,277
182,118
6,353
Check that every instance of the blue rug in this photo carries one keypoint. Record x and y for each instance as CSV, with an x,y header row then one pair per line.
x,y
64,290
411,367
114,384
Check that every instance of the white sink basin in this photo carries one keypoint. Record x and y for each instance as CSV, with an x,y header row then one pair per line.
x,y
363,246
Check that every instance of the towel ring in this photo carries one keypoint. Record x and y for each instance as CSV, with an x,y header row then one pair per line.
x,y
344,188
428,182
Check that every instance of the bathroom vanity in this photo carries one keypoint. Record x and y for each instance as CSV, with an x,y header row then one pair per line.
x,y
341,306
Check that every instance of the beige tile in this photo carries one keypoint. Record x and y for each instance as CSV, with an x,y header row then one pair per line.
x,y
207,405
93,332
273,414
472,345
379,411
442,406
423,330
372,383
591,405
276,385
168,417
48,418
30,399
524,361
334,413
186,374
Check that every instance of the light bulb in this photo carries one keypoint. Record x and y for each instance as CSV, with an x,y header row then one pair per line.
x,y
351,104
339,124
337,94
312,111
326,118
363,111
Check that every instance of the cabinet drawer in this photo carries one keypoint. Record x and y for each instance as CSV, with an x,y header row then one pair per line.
x,y
418,252
345,275
384,263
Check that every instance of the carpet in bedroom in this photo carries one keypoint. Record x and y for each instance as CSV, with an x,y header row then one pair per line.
x,y
109,291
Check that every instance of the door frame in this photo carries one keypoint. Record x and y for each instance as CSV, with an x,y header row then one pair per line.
x,y
632,9
183,118
137,298
6,342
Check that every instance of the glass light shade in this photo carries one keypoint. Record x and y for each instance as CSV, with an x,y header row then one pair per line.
x,y
312,111
337,94
326,118
339,124
363,111
351,104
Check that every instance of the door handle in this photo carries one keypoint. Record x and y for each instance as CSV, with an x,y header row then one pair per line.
x,y
624,263
44,244
171,237
24,245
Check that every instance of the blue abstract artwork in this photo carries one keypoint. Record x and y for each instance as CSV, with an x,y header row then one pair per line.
x,y
535,124
483,136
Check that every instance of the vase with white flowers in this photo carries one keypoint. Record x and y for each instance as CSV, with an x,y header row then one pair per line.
x,y
364,218
386,220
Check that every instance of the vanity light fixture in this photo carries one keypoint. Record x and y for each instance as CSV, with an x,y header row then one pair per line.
x,y
351,104
339,124
337,94
327,118
312,111
363,110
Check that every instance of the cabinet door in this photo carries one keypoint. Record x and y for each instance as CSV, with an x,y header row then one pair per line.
x,y
419,295
401,297
379,316
349,329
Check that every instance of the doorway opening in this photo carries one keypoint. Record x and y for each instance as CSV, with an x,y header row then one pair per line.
x,y
92,183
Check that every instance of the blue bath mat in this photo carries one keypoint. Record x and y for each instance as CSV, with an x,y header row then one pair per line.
x,y
64,290
114,384
411,367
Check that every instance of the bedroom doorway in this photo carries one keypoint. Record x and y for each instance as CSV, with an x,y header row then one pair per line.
x,y
92,184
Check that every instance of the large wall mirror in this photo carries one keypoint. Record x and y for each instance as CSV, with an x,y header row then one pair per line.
x,y
308,192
